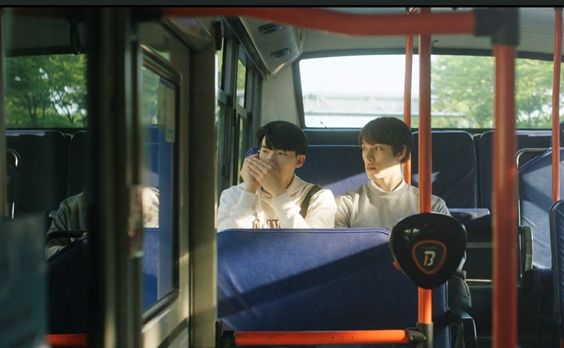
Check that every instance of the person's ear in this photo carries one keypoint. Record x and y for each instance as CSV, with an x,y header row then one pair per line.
x,y
403,156
300,160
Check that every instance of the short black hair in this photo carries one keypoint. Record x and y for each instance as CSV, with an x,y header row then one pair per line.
x,y
282,135
389,131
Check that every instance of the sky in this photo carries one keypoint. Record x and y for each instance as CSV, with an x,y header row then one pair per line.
x,y
381,75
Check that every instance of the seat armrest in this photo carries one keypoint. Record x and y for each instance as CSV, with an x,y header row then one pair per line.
x,y
526,248
464,333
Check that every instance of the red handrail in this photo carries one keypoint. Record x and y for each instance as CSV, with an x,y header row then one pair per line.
x,y
269,338
504,215
556,104
344,23
68,340
407,96
425,313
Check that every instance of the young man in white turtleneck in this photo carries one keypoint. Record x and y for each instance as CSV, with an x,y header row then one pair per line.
x,y
386,198
271,195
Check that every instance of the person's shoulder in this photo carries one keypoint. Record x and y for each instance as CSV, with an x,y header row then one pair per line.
x,y
234,190
356,193
434,199
74,200
437,200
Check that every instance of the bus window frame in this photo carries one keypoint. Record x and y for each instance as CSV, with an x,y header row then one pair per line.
x,y
298,95
165,70
232,143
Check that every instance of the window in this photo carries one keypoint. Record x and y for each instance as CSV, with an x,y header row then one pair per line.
x,y
241,82
219,61
158,115
46,91
237,103
465,85
360,88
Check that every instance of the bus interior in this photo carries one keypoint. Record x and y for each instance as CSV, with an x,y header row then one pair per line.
x,y
146,114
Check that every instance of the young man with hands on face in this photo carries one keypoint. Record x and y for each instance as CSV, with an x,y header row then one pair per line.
x,y
271,195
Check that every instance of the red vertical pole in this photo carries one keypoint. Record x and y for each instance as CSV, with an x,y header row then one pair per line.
x,y
407,95
504,202
556,105
425,296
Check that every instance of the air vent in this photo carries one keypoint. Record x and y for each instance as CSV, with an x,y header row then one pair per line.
x,y
281,53
270,28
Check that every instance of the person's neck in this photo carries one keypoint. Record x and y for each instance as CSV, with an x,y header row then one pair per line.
x,y
288,182
390,182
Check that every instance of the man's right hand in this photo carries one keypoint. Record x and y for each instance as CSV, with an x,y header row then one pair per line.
x,y
250,184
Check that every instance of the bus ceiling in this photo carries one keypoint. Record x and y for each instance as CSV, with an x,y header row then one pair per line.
x,y
273,46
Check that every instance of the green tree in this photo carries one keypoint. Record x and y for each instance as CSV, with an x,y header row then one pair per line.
x,y
46,91
465,84
533,93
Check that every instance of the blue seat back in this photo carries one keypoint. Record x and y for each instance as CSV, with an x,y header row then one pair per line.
x,y
336,167
535,201
78,162
525,139
557,239
42,170
322,279
69,280
454,174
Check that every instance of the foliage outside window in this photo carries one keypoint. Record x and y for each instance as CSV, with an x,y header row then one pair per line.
x,y
360,88
47,91
241,82
219,62
465,84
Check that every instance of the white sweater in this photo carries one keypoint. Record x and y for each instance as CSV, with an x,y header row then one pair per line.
x,y
241,209
370,206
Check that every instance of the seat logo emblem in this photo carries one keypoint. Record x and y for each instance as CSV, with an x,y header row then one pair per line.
x,y
429,255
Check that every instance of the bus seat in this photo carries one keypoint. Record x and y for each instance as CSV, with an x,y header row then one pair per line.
x,y
78,162
535,201
338,168
321,279
557,239
524,155
454,174
42,170
69,284
525,139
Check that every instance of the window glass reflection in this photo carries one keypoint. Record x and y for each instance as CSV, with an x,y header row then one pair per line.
x,y
158,115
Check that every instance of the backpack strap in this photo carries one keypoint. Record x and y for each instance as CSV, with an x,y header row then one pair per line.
x,y
305,203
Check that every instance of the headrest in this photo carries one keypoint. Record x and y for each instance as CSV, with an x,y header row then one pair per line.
x,y
428,247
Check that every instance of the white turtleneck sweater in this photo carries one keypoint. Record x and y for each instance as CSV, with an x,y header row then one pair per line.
x,y
370,206
242,209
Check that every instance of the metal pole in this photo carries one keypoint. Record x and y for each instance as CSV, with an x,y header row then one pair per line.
x,y
425,308
504,201
4,206
556,104
407,96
